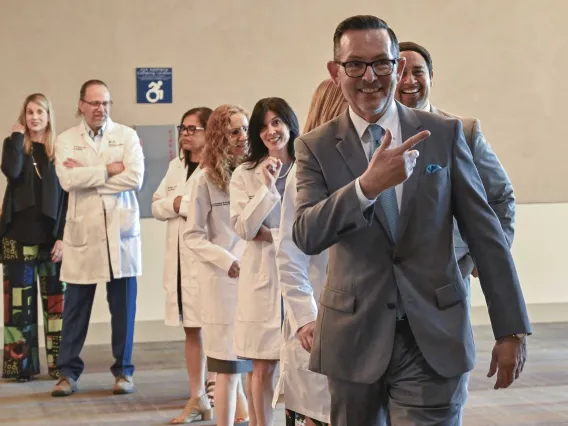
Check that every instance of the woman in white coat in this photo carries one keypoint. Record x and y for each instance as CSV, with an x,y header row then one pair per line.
x,y
256,190
216,246
170,203
302,277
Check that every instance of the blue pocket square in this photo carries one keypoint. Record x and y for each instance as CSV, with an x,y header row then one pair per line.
x,y
432,168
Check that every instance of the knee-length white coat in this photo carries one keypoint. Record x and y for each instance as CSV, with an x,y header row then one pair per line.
x,y
174,184
258,320
214,243
302,279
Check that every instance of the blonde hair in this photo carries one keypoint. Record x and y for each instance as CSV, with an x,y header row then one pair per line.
x,y
216,158
49,132
327,104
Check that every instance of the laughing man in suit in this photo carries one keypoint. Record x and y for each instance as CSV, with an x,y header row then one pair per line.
x,y
413,91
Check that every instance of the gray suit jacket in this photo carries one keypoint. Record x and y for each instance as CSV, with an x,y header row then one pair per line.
x,y
356,323
495,181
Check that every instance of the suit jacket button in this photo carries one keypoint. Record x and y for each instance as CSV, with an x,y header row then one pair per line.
x,y
391,305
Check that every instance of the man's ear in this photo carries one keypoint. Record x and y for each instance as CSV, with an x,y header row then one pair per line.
x,y
333,69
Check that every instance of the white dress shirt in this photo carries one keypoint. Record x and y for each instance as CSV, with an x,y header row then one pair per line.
x,y
389,120
96,138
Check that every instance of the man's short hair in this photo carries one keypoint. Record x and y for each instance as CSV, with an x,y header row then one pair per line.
x,y
363,22
83,91
415,47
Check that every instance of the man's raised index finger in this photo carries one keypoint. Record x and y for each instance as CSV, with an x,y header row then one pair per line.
x,y
413,140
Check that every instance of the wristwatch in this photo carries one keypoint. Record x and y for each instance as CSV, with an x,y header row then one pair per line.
x,y
520,336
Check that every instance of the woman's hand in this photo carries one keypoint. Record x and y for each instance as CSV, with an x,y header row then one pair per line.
x,y
235,269
264,234
268,171
18,128
306,335
177,203
57,252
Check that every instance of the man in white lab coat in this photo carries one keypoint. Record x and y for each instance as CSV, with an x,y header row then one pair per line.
x,y
101,164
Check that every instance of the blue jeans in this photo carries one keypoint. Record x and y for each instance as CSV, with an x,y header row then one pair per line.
x,y
121,297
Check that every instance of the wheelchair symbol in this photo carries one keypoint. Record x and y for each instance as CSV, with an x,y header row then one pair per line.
x,y
155,93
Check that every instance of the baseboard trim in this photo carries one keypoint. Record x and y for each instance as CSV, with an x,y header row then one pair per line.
x,y
157,331
144,331
538,313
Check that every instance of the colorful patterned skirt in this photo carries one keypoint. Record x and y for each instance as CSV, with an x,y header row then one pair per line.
x,y
22,266
297,419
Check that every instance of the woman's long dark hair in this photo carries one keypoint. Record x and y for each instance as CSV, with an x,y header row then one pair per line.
x,y
202,114
257,150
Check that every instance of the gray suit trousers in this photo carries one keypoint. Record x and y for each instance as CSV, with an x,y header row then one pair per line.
x,y
409,394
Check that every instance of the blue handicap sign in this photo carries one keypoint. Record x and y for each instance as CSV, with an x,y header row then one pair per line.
x,y
154,85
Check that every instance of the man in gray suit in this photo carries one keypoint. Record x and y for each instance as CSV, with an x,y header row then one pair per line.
x,y
393,334
413,91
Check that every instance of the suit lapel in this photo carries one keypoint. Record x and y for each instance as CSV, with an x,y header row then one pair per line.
x,y
409,126
350,148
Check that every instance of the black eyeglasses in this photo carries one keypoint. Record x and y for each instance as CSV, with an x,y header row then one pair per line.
x,y
356,69
189,129
97,104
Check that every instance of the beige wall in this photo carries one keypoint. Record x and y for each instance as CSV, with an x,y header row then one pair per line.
x,y
500,60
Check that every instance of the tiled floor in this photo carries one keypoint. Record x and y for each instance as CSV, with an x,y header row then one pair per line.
x,y
539,398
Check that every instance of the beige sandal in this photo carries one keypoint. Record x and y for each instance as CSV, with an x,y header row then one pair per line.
x,y
195,409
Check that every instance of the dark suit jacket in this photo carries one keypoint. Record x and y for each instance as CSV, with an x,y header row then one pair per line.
x,y
355,328
19,170
495,181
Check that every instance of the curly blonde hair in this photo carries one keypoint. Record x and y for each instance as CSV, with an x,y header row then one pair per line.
x,y
216,158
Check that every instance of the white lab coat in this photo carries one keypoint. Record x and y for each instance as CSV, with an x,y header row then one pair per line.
x,y
209,235
92,194
174,184
302,279
258,322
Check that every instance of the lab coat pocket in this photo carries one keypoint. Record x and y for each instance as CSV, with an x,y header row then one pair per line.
x,y
221,301
75,233
115,152
129,223
301,356
254,302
